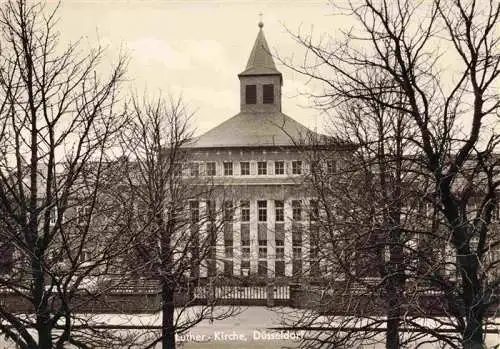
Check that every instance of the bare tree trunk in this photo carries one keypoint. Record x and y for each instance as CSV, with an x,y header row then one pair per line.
x,y
168,308
41,307
394,292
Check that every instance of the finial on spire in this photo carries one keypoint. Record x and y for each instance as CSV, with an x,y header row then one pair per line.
x,y
261,24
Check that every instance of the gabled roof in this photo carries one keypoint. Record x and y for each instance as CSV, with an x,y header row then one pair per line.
x,y
251,129
260,61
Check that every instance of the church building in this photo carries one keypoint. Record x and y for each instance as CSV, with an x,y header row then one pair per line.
x,y
253,156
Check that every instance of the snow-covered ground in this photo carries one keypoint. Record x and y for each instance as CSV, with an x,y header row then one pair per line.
x,y
246,330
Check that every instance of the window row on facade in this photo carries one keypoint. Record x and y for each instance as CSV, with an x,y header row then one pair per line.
x,y
247,168
299,210
265,260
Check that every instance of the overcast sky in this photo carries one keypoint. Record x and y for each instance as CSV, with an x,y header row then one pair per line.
x,y
197,48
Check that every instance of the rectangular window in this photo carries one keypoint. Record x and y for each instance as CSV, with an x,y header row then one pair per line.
x,y
279,268
297,252
314,250
313,210
262,210
314,236
84,256
331,166
245,268
245,252
296,167
279,167
53,216
245,235
228,250
177,168
296,249
280,240
211,169
228,240
228,268
280,210
210,210
83,213
297,268
268,94
496,213
194,210
194,169
245,168
262,268
251,94
262,168
228,211
262,239
280,250
262,252
228,169
245,211
212,239
297,235
296,210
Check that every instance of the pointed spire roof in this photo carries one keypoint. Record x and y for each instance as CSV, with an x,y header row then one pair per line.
x,y
260,61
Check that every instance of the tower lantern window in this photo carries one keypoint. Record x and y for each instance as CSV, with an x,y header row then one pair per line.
x,y
251,94
268,94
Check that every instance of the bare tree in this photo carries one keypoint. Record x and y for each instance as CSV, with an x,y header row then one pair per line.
x,y
450,113
179,234
57,123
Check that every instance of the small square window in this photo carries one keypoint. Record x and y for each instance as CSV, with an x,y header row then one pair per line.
x,y
262,168
211,169
228,169
251,94
279,167
296,167
245,168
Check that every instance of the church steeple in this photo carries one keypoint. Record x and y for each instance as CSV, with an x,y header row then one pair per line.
x,y
260,82
261,61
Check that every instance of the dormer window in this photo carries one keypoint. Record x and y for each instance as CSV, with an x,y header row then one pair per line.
x,y
251,94
268,94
